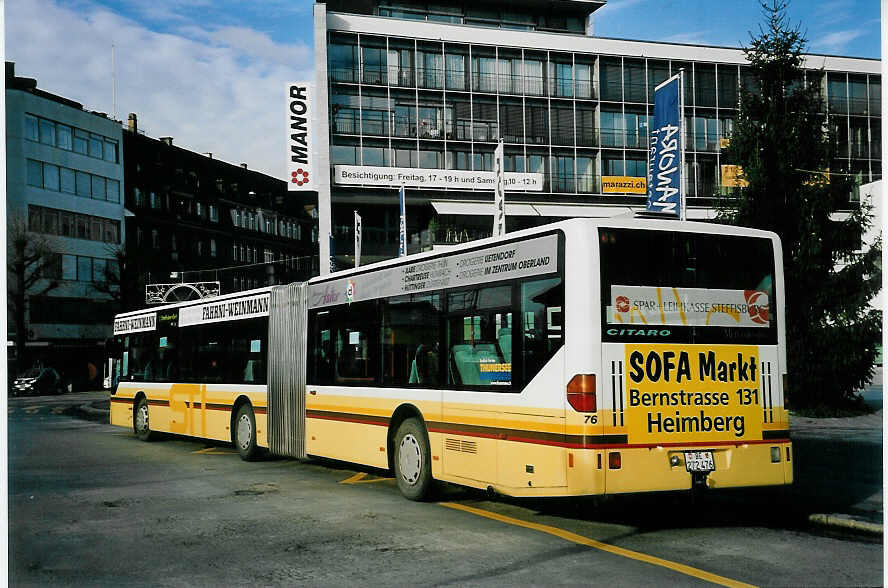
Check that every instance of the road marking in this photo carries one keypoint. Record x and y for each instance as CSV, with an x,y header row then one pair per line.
x,y
573,537
33,409
359,479
214,451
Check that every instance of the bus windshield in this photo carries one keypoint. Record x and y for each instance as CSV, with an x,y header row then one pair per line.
x,y
686,287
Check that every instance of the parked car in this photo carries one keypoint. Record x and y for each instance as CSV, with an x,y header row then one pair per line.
x,y
39,381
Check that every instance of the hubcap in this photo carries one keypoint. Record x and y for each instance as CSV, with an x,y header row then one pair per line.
x,y
142,419
244,431
410,459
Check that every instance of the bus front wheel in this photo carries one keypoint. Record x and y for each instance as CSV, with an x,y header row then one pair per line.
x,y
245,433
141,426
413,468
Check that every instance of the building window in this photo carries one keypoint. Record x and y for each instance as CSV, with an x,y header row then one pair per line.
x,y
214,213
32,128
67,183
64,137
81,142
212,248
35,173
61,179
69,138
50,221
155,239
83,184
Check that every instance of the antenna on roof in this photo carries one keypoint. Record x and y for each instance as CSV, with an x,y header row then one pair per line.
x,y
113,84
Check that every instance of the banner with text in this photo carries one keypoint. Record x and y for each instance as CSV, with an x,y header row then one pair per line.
x,y
362,175
702,307
623,185
402,223
514,260
357,239
664,165
225,310
135,324
499,193
300,170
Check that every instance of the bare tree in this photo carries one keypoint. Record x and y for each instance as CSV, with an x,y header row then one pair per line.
x,y
33,269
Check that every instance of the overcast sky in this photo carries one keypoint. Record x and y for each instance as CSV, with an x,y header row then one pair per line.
x,y
212,74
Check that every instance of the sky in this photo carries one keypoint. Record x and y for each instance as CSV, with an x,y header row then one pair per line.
x,y
212,74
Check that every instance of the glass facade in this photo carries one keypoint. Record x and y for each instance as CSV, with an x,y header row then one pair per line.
x,y
572,116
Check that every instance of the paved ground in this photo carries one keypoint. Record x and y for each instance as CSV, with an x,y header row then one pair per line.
x,y
90,505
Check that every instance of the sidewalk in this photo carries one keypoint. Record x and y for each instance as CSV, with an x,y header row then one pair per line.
x,y
838,467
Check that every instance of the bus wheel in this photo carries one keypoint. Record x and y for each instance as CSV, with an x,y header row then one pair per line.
x,y
140,421
245,433
413,468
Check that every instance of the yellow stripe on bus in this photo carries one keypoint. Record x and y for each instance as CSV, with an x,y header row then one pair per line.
x,y
579,539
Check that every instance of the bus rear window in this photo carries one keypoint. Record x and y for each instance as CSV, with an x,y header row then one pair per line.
x,y
686,287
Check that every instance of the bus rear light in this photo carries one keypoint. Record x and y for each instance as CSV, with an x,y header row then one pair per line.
x,y
775,455
581,393
614,460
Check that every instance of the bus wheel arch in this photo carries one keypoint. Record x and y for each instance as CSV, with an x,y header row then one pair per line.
x,y
410,454
243,429
141,422
401,414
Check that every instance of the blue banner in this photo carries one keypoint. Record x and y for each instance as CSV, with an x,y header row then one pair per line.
x,y
664,164
402,226
332,258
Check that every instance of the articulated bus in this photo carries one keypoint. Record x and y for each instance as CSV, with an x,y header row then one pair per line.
x,y
585,357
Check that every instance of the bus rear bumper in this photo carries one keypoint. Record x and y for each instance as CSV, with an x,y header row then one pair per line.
x,y
664,468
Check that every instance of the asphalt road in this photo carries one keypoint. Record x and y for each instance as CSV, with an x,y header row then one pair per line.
x,y
91,505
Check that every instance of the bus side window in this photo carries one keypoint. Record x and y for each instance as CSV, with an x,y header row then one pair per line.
x,y
411,327
479,336
541,309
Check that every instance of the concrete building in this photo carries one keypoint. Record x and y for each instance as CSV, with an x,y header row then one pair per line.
x,y
65,184
417,86
207,220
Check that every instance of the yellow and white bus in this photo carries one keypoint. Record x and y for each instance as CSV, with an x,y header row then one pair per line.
x,y
590,356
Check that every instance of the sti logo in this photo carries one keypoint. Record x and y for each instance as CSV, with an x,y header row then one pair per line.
x,y
300,177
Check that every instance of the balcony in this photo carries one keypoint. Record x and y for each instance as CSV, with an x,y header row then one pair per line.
x,y
430,79
343,75
404,77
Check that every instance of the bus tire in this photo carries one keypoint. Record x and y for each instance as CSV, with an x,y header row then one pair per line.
x,y
141,426
412,461
245,433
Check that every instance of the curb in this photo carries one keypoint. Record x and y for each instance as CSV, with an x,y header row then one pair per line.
x,y
846,522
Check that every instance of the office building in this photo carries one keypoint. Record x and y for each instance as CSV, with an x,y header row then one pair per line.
x,y
64,186
433,87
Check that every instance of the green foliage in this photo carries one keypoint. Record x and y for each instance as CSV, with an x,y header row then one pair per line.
x,y
780,140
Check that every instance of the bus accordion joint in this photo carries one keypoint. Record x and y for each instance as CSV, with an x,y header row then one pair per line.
x,y
581,393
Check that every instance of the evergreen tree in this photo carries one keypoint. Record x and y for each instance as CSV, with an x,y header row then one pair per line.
x,y
781,142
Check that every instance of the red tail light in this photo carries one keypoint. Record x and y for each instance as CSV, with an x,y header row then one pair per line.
x,y
581,393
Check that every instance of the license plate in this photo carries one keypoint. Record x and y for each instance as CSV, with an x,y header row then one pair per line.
x,y
699,461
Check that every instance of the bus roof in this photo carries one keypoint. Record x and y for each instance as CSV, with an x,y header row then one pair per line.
x,y
576,224
628,221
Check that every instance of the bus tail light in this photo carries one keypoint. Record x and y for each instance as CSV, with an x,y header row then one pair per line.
x,y
581,393
614,460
